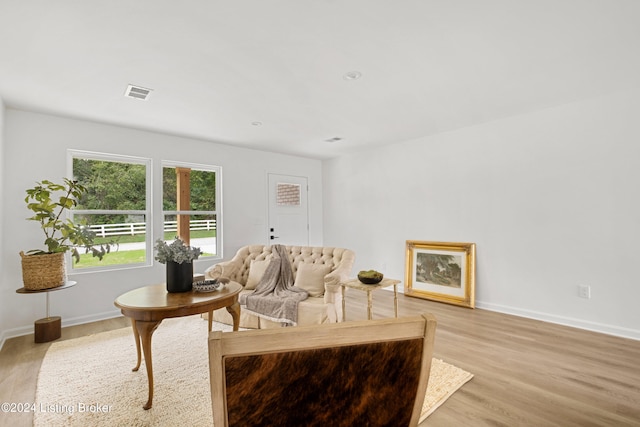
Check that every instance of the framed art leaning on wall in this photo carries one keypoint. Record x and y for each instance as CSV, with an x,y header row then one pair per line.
x,y
441,271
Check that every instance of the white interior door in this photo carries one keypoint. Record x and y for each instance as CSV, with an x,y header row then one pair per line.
x,y
288,210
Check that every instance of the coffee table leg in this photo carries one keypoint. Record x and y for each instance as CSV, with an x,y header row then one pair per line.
x,y
136,336
145,329
234,311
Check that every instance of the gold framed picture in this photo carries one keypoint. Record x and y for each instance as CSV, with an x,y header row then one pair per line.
x,y
441,271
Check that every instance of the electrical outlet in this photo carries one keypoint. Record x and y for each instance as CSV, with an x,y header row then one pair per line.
x,y
584,291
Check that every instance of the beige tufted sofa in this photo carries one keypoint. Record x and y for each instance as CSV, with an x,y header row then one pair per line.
x,y
324,308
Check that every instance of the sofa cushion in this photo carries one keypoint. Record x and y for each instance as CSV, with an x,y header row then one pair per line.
x,y
256,271
312,311
310,277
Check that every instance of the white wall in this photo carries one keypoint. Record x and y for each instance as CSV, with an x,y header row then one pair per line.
x,y
550,198
35,148
4,285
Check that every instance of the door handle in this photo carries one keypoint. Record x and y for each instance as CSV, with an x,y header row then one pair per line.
x,y
274,237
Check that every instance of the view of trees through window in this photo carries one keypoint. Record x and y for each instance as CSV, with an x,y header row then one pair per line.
x,y
189,205
111,186
115,207
117,210
202,185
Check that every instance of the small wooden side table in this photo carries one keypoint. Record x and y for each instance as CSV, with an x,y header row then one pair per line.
x,y
48,328
357,284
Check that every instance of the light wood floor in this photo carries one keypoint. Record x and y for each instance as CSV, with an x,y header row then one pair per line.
x,y
527,373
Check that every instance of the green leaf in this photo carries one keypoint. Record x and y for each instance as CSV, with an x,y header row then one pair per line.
x,y
66,202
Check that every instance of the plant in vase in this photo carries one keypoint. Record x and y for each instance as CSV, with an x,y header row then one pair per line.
x,y
49,201
178,257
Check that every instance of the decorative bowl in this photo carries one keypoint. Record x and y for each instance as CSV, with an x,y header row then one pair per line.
x,y
370,277
206,286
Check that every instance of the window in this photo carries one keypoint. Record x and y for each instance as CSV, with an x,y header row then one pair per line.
x,y
116,207
288,194
191,205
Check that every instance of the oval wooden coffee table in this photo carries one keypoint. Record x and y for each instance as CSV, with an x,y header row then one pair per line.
x,y
149,305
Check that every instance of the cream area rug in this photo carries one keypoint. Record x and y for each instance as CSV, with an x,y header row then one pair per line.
x,y
88,381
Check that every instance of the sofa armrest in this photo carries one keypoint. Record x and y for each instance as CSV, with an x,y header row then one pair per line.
x,y
342,271
333,279
222,269
333,292
332,288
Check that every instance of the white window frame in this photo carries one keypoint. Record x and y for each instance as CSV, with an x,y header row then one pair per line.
x,y
217,212
147,212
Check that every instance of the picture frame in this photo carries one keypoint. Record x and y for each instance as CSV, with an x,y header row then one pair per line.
x,y
441,271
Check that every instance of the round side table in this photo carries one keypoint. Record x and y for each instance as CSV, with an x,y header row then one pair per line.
x,y
48,328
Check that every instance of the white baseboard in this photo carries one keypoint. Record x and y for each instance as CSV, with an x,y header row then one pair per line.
x,y
618,331
26,330
602,328
17,332
91,318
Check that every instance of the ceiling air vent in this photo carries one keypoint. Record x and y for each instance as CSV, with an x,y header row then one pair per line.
x,y
137,92
334,139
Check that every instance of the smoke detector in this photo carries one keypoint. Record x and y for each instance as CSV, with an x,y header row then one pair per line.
x,y
352,75
137,92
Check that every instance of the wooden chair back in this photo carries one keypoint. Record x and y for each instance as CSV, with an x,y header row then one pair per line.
x,y
366,373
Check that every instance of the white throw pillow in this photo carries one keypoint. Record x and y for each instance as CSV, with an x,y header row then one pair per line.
x,y
310,277
256,271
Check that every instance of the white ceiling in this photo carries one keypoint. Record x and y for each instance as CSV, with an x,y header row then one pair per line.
x,y
215,67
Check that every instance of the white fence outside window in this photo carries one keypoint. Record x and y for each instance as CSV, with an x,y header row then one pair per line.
x,y
133,228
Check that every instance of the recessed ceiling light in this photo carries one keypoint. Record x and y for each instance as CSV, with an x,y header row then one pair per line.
x,y
352,75
137,92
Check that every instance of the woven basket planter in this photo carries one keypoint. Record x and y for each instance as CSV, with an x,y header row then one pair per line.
x,y
44,271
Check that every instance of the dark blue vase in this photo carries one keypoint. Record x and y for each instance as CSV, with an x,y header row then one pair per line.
x,y
179,276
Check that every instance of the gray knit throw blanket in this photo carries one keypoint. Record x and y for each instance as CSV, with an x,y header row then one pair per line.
x,y
275,297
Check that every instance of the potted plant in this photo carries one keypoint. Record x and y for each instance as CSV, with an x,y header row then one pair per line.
x,y
179,259
45,268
